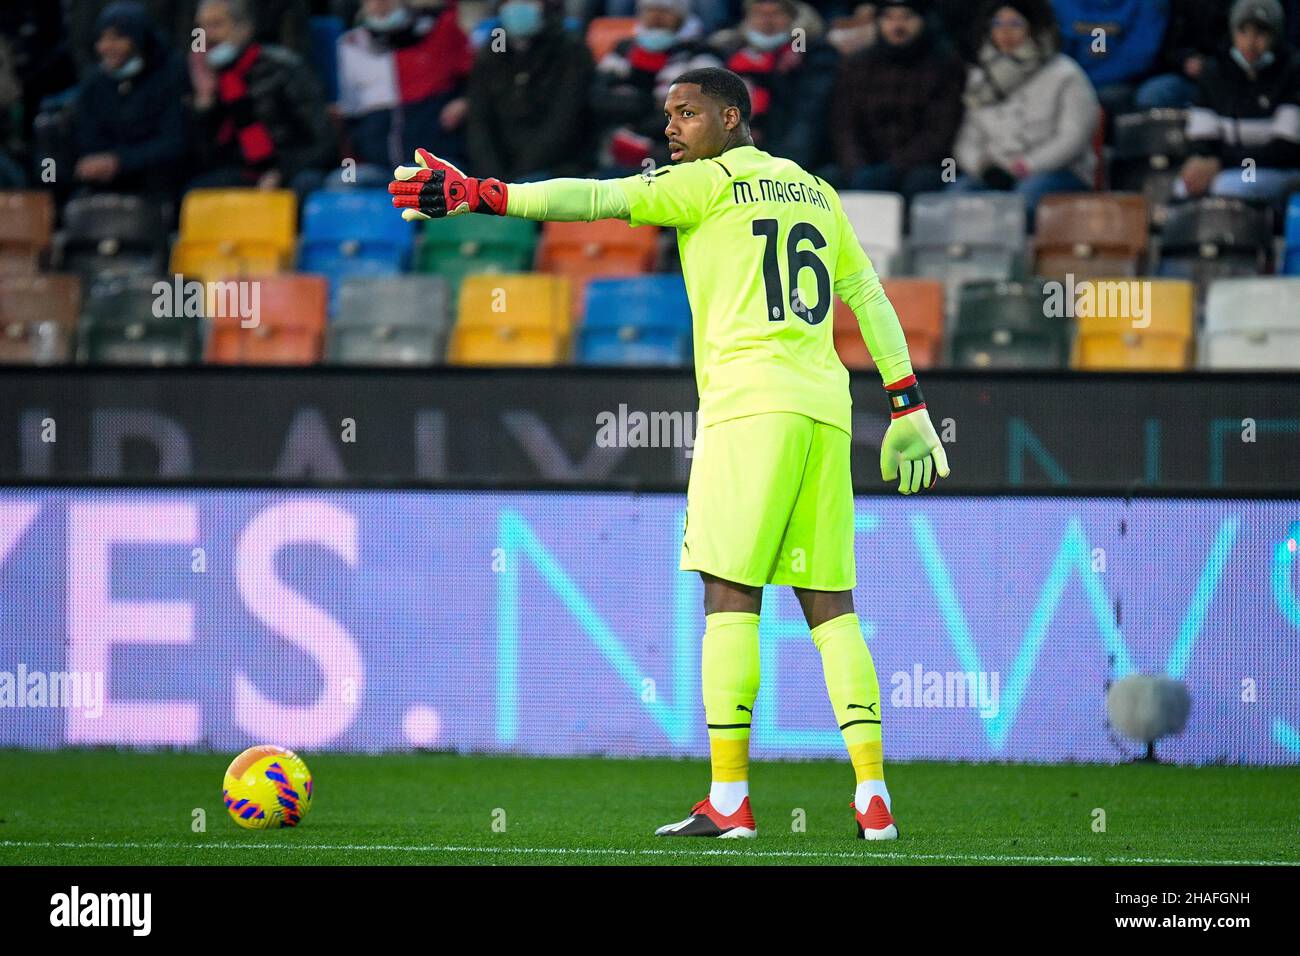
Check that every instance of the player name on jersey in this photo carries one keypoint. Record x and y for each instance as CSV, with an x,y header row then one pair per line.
x,y
774,190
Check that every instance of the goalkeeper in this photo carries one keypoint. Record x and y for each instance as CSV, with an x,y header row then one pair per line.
x,y
763,246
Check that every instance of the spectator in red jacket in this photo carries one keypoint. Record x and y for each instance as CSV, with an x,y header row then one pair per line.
x,y
897,106
402,79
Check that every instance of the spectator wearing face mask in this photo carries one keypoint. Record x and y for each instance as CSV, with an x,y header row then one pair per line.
x,y
529,91
1030,111
632,81
1244,124
262,122
131,127
897,106
402,78
789,69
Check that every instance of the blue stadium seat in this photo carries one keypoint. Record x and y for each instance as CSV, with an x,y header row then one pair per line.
x,y
353,233
636,321
325,33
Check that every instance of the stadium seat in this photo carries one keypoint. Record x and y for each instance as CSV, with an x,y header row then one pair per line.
x,y
1111,342
1215,238
639,321
392,320
290,329
38,317
1004,325
118,326
583,251
919,304
26,226
521,319
110,234
877,219
604,33
1149,150
235,232
466,245
956,222
353,233
1090,235
1252,323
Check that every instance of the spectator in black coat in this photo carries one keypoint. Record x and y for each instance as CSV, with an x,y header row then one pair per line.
x,y
263,121
131,124
528,96
897,106
1244,125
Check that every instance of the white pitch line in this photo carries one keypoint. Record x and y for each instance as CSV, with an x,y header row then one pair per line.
x,y
863,856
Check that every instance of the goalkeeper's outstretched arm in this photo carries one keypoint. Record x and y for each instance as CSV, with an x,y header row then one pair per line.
x,y
673,196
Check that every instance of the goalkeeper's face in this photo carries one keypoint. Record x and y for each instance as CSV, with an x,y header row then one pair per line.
x,y
698,125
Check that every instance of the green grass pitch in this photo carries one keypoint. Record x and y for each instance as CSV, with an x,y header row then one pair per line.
x,y
106,807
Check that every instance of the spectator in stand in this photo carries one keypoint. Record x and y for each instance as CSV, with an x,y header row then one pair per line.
x,y
528,99
1197,31
1117,42
282,22
1244,125
897,106
487,28
854,32
262,122
131,124
402,79
790,71
1030,111
632,81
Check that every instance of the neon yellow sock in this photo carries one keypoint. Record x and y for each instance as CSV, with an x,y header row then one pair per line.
x,y
729,674
854,692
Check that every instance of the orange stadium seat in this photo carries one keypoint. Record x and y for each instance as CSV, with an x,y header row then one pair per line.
x,y
919,303
587,250
235,232
520,319
26,225
1162,339
290,329
38,317
604,33
1090,235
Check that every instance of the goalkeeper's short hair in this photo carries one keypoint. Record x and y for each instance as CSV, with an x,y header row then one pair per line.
x,y
722,85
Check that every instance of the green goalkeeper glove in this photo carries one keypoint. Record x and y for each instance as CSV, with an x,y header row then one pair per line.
x,y
911,448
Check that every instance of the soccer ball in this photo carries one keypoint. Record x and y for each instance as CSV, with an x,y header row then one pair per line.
x,y
267,787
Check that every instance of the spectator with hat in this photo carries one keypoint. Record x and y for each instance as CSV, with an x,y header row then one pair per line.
x,y
897,106
131,127
1244,125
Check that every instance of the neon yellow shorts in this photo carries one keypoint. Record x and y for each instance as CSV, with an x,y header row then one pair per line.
x,y
770,501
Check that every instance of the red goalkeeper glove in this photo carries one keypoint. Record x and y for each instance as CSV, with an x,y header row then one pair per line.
x,y
435,189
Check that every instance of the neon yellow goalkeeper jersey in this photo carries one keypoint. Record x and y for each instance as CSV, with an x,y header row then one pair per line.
x,y
764,245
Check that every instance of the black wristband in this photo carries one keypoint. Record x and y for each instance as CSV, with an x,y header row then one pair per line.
x,y
904,400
